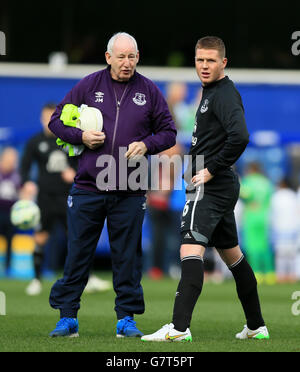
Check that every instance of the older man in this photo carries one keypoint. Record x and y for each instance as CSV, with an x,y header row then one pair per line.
x,y
135,117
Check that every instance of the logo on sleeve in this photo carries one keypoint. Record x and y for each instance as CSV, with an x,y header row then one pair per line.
x,y
139,99
204,107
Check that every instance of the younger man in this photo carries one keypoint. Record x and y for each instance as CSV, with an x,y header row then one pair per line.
x,y
220,135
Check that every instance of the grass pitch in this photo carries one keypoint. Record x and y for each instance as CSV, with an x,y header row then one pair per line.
x,y
216,319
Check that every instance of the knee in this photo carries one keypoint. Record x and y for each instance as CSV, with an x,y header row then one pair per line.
x,y
191,250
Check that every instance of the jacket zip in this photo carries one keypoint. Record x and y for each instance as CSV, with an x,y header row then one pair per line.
x,y
118,103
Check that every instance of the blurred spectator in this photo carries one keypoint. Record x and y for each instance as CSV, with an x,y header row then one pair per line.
x,y
285,227
56,172
165,204
256,192
10,183
164,219
183,114
55,175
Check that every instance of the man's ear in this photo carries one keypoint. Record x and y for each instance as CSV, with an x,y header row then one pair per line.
x,y
225,60
107,57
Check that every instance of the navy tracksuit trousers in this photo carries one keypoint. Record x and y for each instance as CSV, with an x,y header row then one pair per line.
x,y
87,212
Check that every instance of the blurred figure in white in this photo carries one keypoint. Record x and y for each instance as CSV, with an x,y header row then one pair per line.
x,y
96,284
10,183
285,228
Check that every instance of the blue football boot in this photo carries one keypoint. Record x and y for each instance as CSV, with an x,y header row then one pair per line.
x,y
126,327
66,327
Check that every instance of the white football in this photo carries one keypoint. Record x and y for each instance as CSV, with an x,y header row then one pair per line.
x,y
90,118
25,214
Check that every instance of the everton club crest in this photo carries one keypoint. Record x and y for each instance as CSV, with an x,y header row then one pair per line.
x,y
204,107
139,99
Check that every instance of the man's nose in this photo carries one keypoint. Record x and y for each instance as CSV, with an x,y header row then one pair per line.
x,y
204,65
126,61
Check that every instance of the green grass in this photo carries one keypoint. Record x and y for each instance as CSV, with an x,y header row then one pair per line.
x,y
216,319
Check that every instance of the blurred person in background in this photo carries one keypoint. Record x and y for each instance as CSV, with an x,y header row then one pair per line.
x,y
54,179
256,192
165,204
164,219
181,110
56,173
10,184
285,228
175,97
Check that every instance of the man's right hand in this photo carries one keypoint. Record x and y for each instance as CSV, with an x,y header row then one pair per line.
x,y
92,138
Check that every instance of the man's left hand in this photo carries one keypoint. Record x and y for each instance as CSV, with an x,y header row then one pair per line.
x,y
136,150
201,177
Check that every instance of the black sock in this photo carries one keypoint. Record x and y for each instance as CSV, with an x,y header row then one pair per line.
x,y
188,291
38,256
246,287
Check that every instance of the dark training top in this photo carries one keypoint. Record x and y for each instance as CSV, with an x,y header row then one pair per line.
x,y
220,132
135,111
51,161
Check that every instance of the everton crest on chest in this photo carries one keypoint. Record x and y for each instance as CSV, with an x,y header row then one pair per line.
x,y
139,99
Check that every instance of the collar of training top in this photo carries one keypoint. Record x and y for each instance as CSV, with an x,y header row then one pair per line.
x,y
217,82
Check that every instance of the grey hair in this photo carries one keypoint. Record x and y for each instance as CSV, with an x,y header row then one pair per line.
x,y
112,40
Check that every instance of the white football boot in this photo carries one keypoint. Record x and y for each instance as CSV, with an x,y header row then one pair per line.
x,y
96,284
260,333
34,288
168,333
